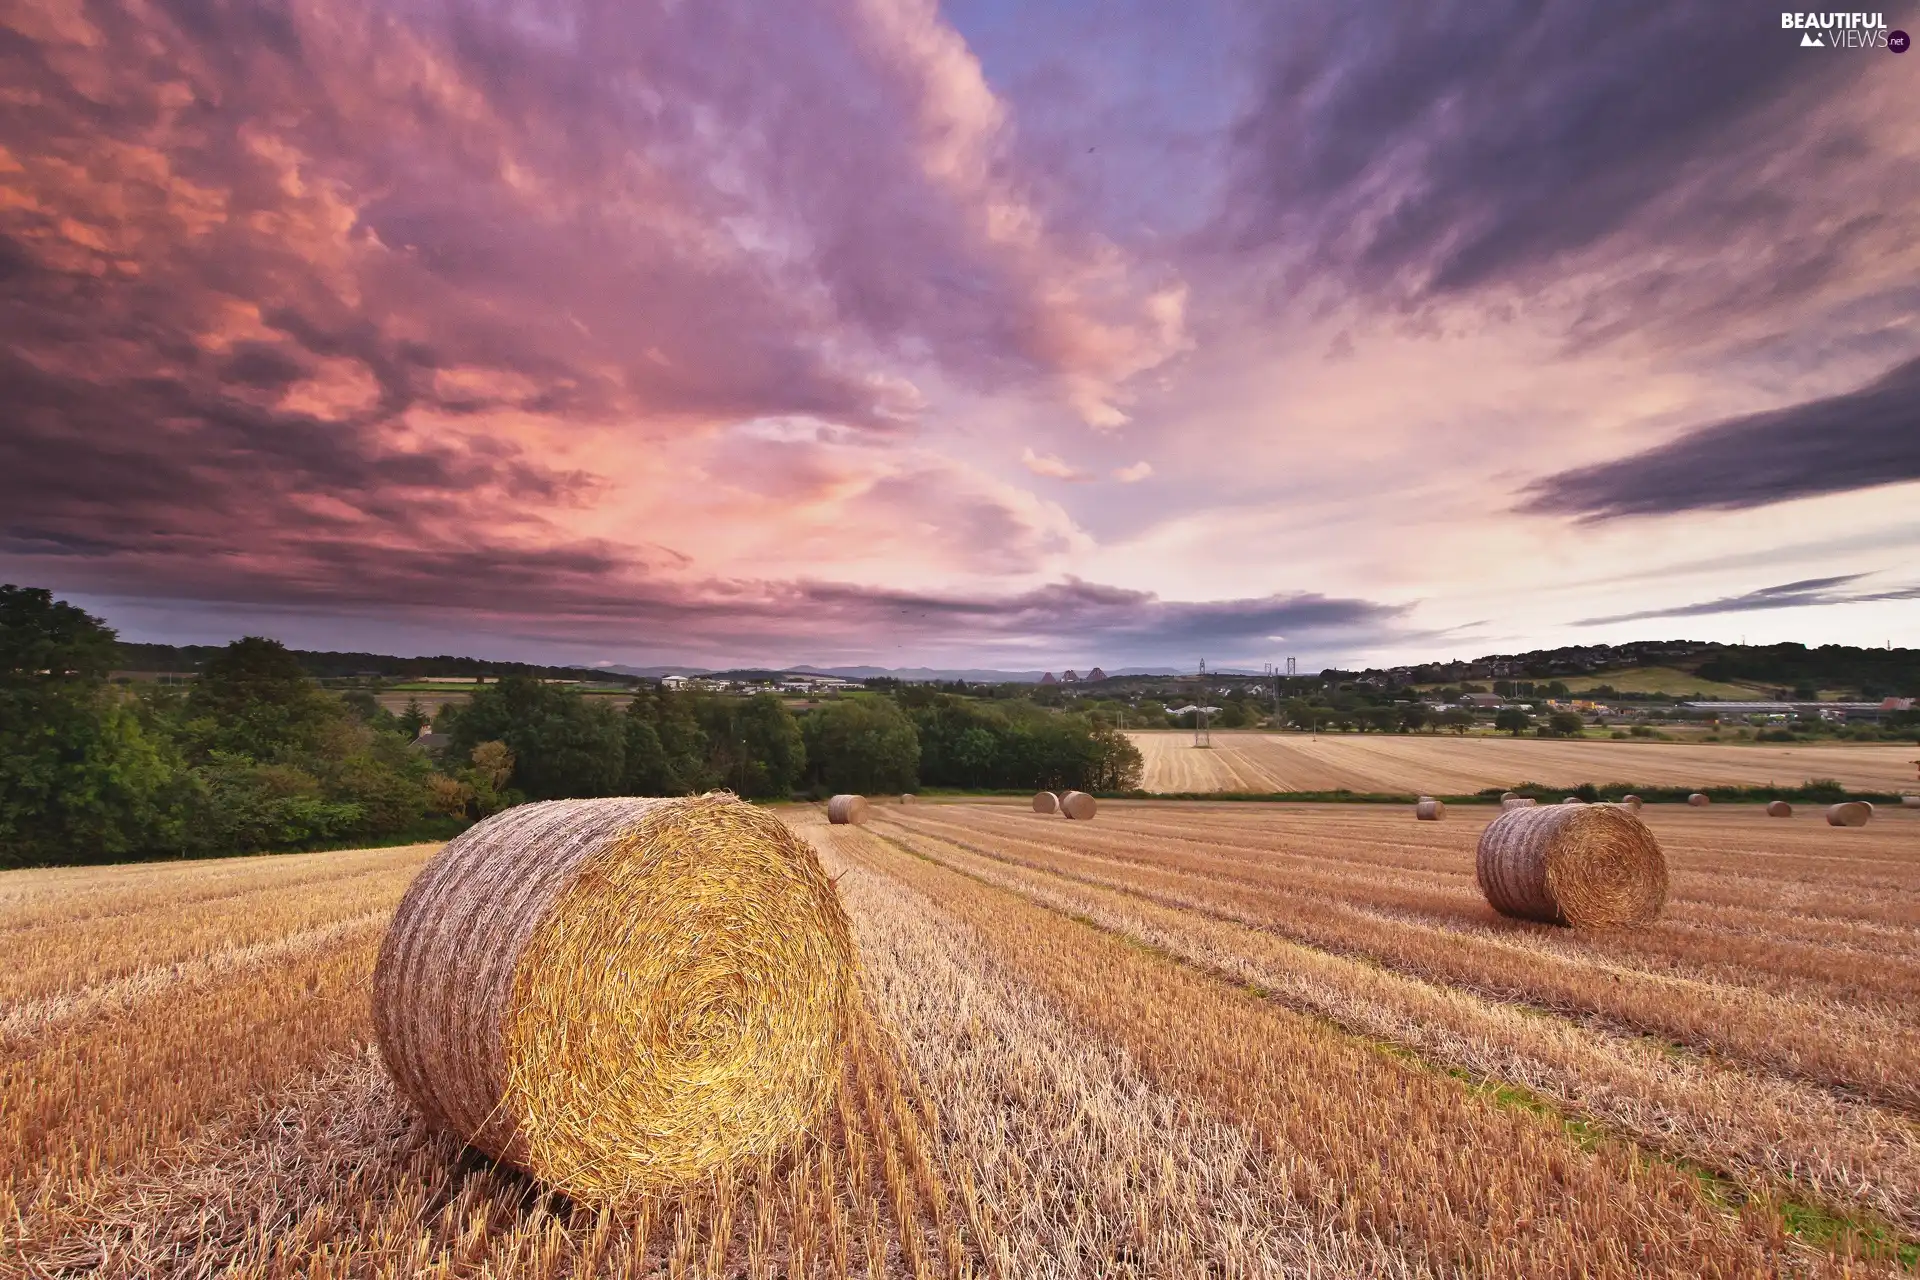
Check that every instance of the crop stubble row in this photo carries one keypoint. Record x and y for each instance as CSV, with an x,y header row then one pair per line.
x,y
1018,1121
1762,1130
1795,1024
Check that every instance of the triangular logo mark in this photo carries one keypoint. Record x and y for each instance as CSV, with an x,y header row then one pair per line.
x,y
1812,41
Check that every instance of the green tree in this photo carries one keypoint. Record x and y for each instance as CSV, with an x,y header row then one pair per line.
x,y
1413,717
1512,720
562,745
83,775
46,642
1458,719
254,699
1566,724
756,746
413,718
865,745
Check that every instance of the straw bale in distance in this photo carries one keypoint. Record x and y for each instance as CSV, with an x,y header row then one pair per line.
x,y
1509,795
1699,801
1591,866
1046,802
1077,804
1518,802
907,798
1571,800
1850,813
1429,809
842,810
1779,809
620,995
1632,802
1910,802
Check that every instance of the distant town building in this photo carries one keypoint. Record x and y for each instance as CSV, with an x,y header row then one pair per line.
x,y
1482,700
673,682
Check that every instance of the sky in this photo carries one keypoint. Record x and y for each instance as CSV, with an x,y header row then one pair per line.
x,y
990,334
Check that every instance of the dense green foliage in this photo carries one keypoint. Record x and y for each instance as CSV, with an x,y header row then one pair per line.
x,y
254,757
864,745
1009,747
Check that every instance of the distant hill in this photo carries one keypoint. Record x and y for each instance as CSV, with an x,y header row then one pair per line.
x,y
326,664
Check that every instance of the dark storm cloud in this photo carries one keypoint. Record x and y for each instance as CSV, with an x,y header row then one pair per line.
x,y
1788,595
1857,440
282,281
1444,146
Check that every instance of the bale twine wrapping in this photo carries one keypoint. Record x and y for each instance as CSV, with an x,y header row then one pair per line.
x,y
619,996
844,810
1632,802
1518,802
1779,809
1077,804
1429,810
1849,813
1046,802
1591,866
1698,801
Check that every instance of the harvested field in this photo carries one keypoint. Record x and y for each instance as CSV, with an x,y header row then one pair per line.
x,y
1182,1040
1442,764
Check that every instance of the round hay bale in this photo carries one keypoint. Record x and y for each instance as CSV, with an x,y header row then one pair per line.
x,y
1429,809
1591,866
1779,809
1632,802
1910,802
1077,804
1572,800
619,996
845,810
1849,813
1699,801
907,798
1509,795
1518,802
1046,802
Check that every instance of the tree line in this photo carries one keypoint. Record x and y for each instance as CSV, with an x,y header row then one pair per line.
x,y
255,756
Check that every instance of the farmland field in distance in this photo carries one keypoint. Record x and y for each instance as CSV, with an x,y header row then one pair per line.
x,y
1182,1039
1444,764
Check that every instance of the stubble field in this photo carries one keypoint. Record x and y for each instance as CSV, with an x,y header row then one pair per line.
x,y
1443,764
1180,1040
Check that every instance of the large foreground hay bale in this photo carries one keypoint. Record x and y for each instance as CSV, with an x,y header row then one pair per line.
x,y
1779,809
621,995
1699,801
1849,813
1591,866
1429,809
1077,804
1046,802
842,810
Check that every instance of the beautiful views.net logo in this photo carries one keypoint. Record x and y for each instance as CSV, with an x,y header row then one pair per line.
x,y
1844,31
